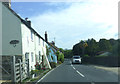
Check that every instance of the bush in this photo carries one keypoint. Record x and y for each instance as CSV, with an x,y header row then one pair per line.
x,y
59,62
34,72
86,55
53,64
62,58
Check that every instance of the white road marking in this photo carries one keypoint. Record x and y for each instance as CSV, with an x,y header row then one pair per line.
x,y
77,70
47,74
80,73
74,68
44,76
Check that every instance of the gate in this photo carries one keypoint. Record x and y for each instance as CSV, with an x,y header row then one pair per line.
x,y
19,70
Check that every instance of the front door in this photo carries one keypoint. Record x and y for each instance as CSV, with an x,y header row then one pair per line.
x,y
26,56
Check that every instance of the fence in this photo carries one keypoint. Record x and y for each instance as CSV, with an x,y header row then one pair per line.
x,y
19,70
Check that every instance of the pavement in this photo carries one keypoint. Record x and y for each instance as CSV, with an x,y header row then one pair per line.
x,y
80,73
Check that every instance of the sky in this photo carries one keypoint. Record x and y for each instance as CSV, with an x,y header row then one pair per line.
x,y
67,23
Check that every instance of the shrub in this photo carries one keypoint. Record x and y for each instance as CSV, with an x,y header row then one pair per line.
x,y
59,62
52,64
86,55
34,72
62,58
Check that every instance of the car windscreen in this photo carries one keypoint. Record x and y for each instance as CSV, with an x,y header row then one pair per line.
x,y
76,57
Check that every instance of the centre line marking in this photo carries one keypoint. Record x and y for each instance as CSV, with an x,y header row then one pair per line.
x,y
73,67
80,73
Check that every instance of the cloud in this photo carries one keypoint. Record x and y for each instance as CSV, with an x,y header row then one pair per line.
x,y
80,21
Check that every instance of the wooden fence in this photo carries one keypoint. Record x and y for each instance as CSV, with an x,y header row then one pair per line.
x,y
19,70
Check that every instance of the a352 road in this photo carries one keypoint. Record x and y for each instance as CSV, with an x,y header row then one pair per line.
x,y
79,73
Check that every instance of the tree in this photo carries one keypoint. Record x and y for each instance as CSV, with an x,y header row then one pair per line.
x,y
68,53
113,41
105,45
92,47
77,49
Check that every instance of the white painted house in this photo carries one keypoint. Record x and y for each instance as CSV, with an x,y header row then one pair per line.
x,y
31,45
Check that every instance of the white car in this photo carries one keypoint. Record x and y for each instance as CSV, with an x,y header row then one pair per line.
x,y
76,59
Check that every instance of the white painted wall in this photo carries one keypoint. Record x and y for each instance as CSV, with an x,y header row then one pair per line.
x,y
10,31
28,45
38,49
32,46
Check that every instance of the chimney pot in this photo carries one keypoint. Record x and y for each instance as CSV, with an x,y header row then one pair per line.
x,y
28,21
7,3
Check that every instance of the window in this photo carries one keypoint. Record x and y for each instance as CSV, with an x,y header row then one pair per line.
x,y
31,35
32,58
26,56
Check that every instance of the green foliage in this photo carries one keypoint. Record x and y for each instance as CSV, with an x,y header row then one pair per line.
x,y
68,53
47,50
86,55
93,47
35,72
59,62
118,47
105,45
53,64
89,47
60,56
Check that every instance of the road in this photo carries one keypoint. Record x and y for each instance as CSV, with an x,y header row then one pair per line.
x,y
81,73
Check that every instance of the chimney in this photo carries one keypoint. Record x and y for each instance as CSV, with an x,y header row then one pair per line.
x,y
28,21
7,3
46,39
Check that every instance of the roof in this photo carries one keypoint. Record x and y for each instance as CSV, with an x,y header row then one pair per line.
x,y
54,47
24,22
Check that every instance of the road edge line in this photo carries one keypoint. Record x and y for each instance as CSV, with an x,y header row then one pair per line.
x,y
47,74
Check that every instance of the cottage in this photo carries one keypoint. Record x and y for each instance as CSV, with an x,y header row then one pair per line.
x,y
21,40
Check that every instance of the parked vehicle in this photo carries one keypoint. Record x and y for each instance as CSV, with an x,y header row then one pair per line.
x,y
76,59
